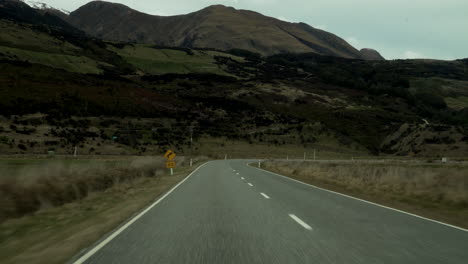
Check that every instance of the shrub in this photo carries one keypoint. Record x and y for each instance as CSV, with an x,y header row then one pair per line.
x,y
22,147
4,140
431,100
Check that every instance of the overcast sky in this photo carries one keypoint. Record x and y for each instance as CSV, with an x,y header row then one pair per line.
x,y
396,28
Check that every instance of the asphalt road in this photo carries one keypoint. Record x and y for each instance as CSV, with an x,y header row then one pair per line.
x,y
227,212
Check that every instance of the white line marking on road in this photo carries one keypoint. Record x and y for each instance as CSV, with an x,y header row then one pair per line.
x,y
242,178
237,173
299,221
91,252
266,196
233,170
365,201
251,185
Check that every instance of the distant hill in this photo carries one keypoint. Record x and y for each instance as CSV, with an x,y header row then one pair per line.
x,y
217,26
370,54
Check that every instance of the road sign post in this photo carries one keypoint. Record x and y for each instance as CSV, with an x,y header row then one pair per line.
x,y
170,163
170,155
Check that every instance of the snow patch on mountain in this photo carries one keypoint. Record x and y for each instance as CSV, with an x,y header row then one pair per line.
x,y
43,6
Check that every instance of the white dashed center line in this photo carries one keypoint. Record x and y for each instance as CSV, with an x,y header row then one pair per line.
x,y
237,173
250,184
299,221
266,196
242,178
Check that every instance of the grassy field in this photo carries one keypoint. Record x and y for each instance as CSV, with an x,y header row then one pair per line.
x,y
53,234
19,42
71,63
437,191
14,167
24,37
457,103
160,61
218,148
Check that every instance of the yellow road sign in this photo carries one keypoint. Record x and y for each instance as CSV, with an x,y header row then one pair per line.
x,y
170,164
170,155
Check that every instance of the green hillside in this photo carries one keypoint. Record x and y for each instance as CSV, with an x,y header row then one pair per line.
x,y
284,102
152,60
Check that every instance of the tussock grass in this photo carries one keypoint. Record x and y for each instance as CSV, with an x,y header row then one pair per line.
x,y
429,185
54,184
55,235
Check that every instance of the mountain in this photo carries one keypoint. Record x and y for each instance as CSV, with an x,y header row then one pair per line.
x,y
371,54
217,26
19,11
403,107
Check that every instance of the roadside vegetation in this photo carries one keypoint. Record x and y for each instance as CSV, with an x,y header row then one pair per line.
x,y
52,210
27,186
434,190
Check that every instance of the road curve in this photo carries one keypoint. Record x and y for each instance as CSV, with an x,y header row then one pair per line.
x,y
228,212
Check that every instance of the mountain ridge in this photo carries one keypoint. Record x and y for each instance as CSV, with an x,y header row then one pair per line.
x,y
215,26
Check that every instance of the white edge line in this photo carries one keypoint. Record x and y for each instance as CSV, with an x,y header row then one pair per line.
x,y
251,185
365,201
299,221
91,252
266,196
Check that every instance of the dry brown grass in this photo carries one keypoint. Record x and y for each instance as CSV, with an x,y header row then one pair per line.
x,y
54,184
435,190
54,235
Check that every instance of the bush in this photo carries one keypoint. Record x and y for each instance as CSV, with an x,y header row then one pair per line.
x,y
22,147
4,140
431,100
248,55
